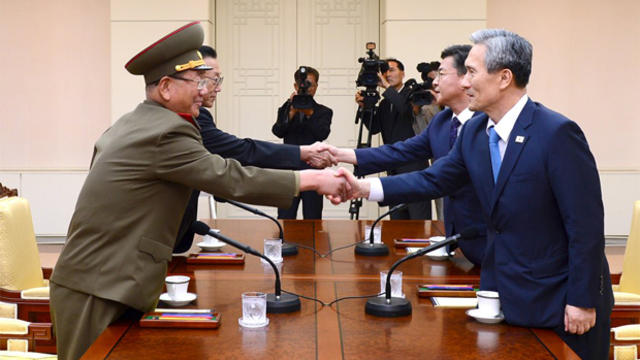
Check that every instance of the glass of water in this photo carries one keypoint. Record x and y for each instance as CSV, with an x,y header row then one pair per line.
x,y
396,283
377,234
254,310
273,250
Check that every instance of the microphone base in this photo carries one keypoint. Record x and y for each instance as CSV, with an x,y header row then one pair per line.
x,y
369,249
379,307
286,304
289,249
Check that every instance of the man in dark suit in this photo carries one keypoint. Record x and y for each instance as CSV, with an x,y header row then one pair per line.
x,y
303,127
247,151
538,185
394,121
462,209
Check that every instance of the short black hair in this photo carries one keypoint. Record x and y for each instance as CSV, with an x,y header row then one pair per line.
x,y
459,53
400,64
208,51
297,76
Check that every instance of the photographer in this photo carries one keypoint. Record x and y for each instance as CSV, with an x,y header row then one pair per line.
x,y
423,100
394,120
302,121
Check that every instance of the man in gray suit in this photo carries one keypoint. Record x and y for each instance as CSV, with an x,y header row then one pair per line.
x,y
143,169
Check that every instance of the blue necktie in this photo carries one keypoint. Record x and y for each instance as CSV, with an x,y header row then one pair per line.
x,y
494,150
453,131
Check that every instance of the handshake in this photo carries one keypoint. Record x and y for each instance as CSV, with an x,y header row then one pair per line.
x,y
337,185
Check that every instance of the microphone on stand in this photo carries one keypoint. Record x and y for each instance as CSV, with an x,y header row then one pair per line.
x,y
388,306
276,303
376,249
288,249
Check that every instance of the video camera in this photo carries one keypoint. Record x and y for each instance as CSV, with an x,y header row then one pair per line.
x,y
371,66
368,76
302,100
419,93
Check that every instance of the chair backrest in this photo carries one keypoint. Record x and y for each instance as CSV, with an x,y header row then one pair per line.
x,y
20,267
630,278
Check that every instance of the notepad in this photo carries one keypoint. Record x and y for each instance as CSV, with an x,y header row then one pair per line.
x,y
454,302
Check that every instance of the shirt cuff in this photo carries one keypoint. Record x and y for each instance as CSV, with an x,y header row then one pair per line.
x,y
376,193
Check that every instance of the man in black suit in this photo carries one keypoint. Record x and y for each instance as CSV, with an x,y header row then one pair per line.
x,y
246,151
299,126
394,121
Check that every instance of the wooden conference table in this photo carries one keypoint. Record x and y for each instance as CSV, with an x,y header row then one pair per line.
x,y
342,331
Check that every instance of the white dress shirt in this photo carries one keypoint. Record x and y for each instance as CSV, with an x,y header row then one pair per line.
x,y
503,128
505,125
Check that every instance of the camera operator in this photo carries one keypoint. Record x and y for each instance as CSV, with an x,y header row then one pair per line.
x,y
302,121
394,120
423,97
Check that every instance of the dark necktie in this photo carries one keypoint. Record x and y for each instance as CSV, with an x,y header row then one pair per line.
x,y
453,131
494,151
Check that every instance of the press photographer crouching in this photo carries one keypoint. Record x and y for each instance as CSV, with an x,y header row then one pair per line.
x,y
394,120
302,121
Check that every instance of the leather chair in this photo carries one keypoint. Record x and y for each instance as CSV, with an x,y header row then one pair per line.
x,y
22,279
628,290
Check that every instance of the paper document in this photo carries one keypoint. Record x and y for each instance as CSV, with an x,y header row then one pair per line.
x,y
454,302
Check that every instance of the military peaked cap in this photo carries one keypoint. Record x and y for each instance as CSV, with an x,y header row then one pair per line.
x,y
177,51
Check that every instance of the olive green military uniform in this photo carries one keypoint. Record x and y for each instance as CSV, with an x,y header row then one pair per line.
x,y
127,216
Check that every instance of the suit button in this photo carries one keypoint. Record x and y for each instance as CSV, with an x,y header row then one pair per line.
x,y
452,197
498,231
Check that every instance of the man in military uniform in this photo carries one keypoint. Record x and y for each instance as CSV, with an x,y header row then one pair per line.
x,y
143,169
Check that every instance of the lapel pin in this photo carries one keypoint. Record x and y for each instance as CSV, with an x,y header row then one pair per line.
x,y
519,139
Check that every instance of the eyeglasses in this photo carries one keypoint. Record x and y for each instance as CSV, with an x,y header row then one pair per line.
x,y
440,74
201,83
213,82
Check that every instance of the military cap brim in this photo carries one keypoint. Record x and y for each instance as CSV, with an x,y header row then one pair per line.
x,y
175,52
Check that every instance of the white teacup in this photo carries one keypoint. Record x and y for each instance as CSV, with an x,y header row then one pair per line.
x,y
177,286
210,240
488,303
438,252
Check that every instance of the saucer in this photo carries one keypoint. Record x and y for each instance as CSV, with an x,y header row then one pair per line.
x,y
189,297
211,246
437,257
476,314
247,325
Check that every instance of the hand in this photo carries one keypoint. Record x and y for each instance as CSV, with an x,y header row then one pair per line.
x,y
578,320
343,155
292,111
383,81
358,188
317,155
359,99
325,182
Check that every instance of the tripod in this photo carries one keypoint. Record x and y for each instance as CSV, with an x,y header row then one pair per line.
x,y
364,115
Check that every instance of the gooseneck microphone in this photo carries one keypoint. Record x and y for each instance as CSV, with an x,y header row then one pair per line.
x,y
276,303
394,306
369,248
288,249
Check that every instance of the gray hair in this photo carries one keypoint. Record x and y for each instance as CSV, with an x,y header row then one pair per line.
x,y
506,50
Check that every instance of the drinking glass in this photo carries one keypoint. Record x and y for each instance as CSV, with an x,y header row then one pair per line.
x,y
273,250
254,309
396,283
